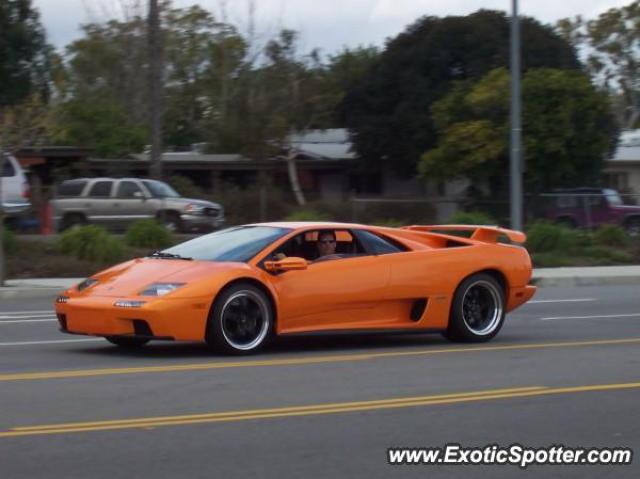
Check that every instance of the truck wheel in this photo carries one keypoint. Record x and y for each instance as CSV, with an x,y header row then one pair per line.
x,y
73,219
632,226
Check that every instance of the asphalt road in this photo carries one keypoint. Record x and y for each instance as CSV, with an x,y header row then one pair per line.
x,y
565,370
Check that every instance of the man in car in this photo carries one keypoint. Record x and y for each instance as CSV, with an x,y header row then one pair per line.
x,y
326,244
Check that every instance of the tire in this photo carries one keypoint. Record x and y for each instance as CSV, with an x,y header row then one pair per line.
x,y
171,221
477,311
73,219
632,226
567,221
127,342
241,320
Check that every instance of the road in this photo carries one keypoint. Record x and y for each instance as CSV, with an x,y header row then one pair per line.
x,y
565,369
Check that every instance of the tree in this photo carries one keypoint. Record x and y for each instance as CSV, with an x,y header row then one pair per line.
x,y
567,124
611,44
389,111
23,52
23,75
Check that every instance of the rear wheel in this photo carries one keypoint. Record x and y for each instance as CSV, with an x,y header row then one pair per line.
x,y
478,309
73,219
241,320
127,342
632,226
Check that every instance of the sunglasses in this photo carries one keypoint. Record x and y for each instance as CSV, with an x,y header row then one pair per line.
x,y
327,241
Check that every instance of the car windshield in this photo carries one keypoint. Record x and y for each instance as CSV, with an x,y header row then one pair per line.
x,y
613,197
159,189
238,244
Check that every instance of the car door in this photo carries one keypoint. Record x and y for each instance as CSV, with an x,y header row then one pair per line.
x,y
99,203
343,293
130,203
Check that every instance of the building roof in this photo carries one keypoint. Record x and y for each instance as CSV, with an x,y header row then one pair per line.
x,y
330,144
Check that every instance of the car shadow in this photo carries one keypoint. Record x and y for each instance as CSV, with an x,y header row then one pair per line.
x,y
281,346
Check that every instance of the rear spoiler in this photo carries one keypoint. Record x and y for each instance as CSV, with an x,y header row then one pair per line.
x,y
486,234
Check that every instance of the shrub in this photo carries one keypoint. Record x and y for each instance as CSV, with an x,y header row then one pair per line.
x,y
185,186
547,237
148,234
390,222
611,235
91,243
9,241
472,218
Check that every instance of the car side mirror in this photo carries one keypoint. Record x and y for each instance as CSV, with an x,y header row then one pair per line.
x,y
286,264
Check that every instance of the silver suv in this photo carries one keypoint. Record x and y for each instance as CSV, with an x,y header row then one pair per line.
x,y
115,203
14,189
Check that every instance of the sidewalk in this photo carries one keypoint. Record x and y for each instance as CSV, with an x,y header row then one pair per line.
x,y
542,277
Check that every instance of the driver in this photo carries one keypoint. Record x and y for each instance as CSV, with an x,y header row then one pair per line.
x,y
326,244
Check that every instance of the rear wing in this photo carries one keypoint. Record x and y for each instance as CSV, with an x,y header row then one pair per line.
x,y
486,234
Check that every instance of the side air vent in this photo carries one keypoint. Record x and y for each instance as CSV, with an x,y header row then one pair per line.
x,y
417,310
141,328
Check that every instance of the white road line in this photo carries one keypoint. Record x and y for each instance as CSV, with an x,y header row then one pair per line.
x,y
13,321
633,315
582,300
32,343
42,311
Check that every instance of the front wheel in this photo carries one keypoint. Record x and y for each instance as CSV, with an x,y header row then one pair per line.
x,y
632,226
127,342
241,320
478,309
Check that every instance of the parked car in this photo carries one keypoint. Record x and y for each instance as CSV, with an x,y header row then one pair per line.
x,y
115,203
15,188
593,207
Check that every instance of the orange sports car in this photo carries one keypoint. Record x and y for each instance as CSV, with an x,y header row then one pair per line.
x,y
239,287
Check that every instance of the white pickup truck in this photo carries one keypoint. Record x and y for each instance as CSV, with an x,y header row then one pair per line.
x,y
14,188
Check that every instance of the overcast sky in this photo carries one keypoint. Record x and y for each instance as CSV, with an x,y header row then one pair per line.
x,y
327,24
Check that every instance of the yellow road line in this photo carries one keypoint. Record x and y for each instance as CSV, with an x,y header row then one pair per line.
x,y
300,360
328,408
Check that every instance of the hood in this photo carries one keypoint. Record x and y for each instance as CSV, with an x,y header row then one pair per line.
x,y
135,275
183,202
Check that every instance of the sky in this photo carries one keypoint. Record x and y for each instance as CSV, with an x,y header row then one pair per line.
x,y
325,24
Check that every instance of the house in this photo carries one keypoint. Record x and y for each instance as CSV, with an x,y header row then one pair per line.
x,y
622,171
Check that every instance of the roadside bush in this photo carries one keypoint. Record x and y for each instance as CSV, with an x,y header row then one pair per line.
x,y
547,237
148,234
9,241
472,218
91,243
185,186
611,235
390,222
406,213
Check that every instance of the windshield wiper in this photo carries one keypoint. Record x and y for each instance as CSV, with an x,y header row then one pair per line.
x,y
164,255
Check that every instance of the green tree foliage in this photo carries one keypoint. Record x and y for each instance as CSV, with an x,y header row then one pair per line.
x,y
23,52
566,122
101,123
611,45
389,112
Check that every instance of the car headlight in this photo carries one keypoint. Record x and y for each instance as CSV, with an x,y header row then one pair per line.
x,y
87,283
160,289
194,208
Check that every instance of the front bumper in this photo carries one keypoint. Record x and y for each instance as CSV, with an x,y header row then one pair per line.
x,y
192,222
159,318
13,208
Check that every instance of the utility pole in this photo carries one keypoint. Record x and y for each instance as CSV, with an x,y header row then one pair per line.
x,y
516,122
156,87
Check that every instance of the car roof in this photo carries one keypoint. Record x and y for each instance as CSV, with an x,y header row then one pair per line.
x,y
312,225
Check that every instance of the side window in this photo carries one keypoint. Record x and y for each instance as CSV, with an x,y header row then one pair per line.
x,y
101,189
71,188
8,169
128,190
376,244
